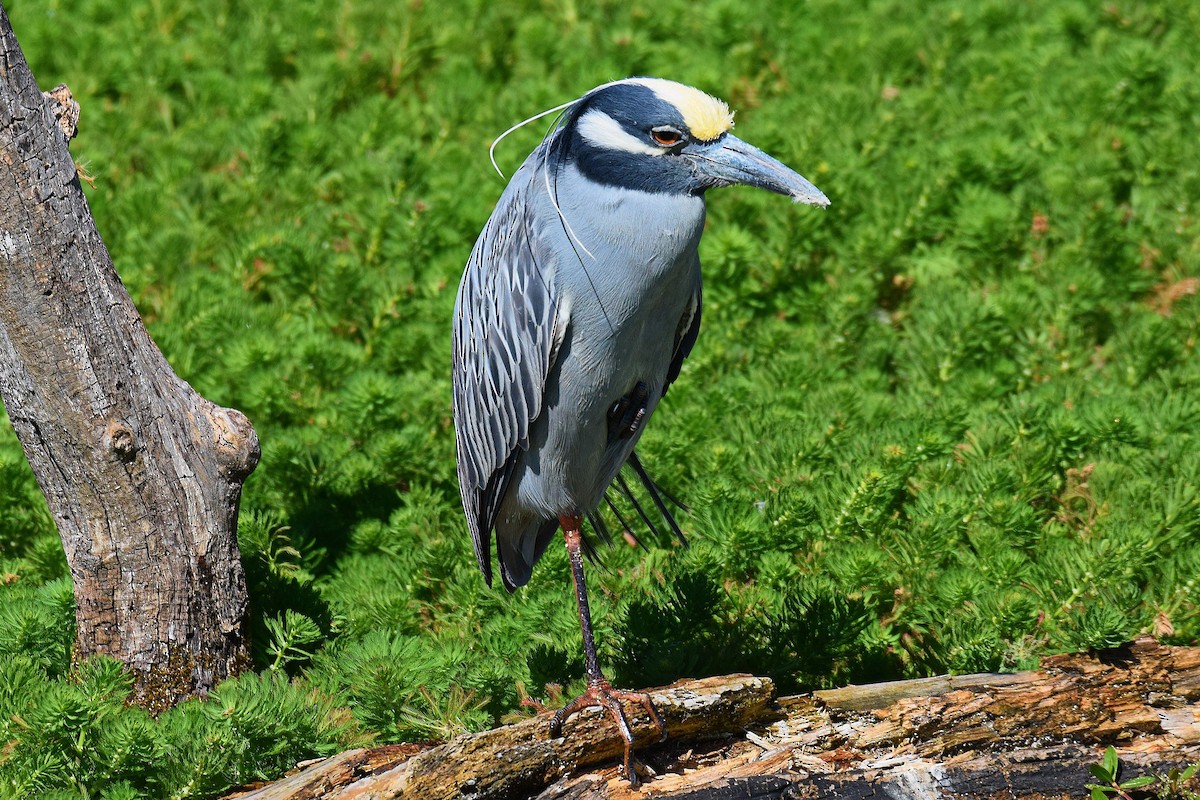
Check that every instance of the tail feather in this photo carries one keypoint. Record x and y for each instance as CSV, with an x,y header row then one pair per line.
x,y
625,526
653,490
600,526
623,486
624,492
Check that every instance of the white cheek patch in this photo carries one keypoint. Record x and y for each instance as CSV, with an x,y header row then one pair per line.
x,y
601,130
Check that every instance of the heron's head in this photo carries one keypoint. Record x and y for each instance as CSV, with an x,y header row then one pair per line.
x,y
660,136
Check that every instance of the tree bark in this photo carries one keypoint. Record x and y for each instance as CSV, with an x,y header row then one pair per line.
x,y
1030,734
143,476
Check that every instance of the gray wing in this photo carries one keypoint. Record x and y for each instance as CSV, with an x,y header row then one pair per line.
x,y
685,334
685,339
505,332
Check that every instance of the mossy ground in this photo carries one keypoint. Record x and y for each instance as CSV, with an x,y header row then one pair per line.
x,y
947,424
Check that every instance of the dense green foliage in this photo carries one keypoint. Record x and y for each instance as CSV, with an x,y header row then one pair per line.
x,y
948,424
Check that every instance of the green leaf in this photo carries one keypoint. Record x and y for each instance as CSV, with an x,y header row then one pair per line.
x,y
1099,792
1138,782
1100,773
291,635
1110,762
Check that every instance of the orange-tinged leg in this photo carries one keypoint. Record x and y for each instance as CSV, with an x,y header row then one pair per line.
x,y
599,692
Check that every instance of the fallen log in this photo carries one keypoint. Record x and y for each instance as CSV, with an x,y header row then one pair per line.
x,y
1030,734
519,760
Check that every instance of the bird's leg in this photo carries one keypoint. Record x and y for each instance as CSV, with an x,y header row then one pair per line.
x,y
599,691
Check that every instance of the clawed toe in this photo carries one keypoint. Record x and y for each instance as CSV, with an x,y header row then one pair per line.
x,y
600,693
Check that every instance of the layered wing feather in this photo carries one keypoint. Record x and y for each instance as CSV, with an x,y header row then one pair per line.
x,y
506,332
685,336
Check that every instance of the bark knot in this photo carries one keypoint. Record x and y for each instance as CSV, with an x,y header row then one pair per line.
x,y
64,108
120,440
236,442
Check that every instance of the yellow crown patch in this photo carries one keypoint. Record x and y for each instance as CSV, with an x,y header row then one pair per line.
x,y
706,116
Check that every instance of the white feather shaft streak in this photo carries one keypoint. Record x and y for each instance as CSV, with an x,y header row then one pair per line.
x,y
518,126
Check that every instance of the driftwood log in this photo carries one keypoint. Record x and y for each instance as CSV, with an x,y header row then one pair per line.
x,y
1029,734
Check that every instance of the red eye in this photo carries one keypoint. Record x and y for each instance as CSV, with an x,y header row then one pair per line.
x,y
666,137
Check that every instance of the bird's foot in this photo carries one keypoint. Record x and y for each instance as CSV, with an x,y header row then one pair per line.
x,y
601,694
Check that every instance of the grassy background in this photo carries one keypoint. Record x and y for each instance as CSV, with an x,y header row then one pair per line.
x,y
948,424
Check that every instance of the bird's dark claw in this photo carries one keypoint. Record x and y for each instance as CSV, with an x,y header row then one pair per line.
x,y
601,694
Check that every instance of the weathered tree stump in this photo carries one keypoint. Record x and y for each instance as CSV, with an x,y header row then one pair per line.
x,y
1030,734
143,476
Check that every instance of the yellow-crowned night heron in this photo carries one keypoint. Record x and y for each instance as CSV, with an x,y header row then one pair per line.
x,y
579,303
